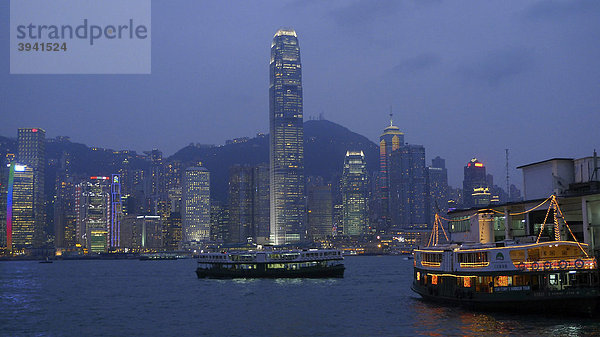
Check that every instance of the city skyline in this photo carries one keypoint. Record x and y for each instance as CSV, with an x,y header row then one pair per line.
x,y
461,92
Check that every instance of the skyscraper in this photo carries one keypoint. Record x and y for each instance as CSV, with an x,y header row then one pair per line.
x,y
92,204
240,203
196,205
320,208
286,140
391,140
408,187
437,184
475,189
261,187
20,215
248,203
115,211
354,193
65,215
32,153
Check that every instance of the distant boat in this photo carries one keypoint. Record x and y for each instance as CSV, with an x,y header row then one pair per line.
x,y
47,260
311,263
157,256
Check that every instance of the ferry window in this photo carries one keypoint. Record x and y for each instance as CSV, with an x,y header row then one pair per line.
x,y
473,257
430,257
502,281
460,224
434,279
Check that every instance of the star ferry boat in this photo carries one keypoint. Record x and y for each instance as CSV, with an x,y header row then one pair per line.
x,y
541,276
311,263
548,276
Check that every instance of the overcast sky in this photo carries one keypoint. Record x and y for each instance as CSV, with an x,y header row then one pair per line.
x,y
464,78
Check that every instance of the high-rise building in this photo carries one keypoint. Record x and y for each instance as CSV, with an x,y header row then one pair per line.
x,y
93,208
115,211
390,141
32,153
248,203
240,204
476,191
65,216
354,193
408,187
437,184
286,140
196,205
320,208
20,211
261,202
219,222
150,229
3,194
515,193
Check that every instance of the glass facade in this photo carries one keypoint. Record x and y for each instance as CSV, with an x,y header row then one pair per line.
x,y
408,187
354,193
286,140
391,140
92,202
248,203
20,226
475,187
32,152
196,205
320,217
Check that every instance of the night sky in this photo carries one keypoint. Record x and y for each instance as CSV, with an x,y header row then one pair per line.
x,y
464,78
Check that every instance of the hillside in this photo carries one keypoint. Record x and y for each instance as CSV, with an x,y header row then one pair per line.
x,y
325,145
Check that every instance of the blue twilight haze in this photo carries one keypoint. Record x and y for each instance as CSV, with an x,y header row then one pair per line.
x,y
464,79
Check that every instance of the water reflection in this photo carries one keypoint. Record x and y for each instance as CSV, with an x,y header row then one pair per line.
x,y
432,319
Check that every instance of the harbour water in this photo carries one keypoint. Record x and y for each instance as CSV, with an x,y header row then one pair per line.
x,y
165,298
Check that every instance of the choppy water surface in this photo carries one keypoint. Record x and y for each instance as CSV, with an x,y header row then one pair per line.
x,y
163,298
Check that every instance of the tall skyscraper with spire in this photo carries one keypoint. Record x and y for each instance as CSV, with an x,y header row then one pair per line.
x,y
287,140
391,140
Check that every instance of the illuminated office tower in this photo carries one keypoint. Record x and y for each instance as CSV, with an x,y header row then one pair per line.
x,y
196,205
93,207
20,216
476,191
115,211
3,194
32,152
354,193
391,140
286,140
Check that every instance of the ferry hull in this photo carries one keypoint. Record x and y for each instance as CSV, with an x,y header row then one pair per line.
x,y
318,272
581,301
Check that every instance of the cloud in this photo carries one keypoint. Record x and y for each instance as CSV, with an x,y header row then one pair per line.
x,y
499,66
416,63
555,9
